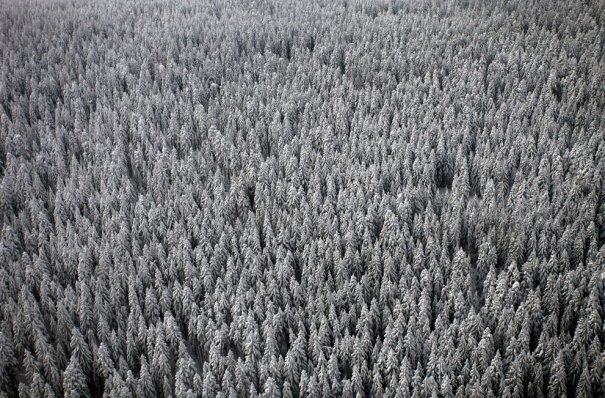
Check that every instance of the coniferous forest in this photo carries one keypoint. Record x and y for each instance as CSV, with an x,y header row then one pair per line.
x,y
232,198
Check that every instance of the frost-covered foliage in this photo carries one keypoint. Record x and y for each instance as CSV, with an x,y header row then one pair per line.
x,y
302,198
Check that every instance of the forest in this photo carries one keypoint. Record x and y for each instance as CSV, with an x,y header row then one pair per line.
x,y
322,198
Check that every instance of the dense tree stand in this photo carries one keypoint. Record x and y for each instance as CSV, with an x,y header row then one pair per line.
x,y
232,198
